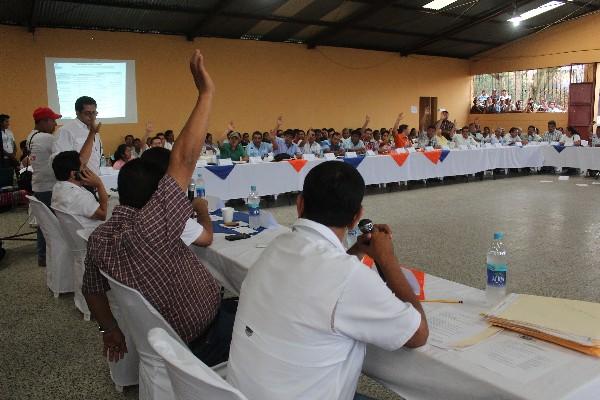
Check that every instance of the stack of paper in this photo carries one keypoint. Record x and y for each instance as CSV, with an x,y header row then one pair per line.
x,y
569,323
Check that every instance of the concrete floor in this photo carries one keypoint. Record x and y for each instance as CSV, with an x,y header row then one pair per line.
x,y
552,234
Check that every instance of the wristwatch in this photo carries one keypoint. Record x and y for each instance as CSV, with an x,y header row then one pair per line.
x,y
106,329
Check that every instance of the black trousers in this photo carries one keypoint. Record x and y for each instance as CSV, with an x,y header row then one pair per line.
x,y
212,348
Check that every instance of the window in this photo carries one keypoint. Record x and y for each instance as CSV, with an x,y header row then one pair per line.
x,y
533,90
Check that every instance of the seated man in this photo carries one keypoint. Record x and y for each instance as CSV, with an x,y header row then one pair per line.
x,y
233,149
285,145
303,322
531,135
258,148
311,146
337,145
464,139
512,137
570,137
69,194
497,137
355,144
140,245
552,134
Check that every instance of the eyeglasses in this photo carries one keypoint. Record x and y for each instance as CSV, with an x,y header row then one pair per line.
x,y
90,113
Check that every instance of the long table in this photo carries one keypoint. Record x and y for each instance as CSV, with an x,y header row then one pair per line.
x,y
282,177
429,372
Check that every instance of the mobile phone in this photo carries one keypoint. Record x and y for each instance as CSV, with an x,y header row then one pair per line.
x,y
239,236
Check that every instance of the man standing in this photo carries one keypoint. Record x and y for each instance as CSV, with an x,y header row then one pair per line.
x,y
445,125
303,322
73,135
39,142
8,149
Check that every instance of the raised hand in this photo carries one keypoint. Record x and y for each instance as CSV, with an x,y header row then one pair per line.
x,y
279,122
367,119
202,79
400,116
149,127
95,127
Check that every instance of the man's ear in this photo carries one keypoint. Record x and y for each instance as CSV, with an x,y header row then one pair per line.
x,y
356,218
72,175
300,205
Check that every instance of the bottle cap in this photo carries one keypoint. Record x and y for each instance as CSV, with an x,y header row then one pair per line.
x,y
498,235
253,188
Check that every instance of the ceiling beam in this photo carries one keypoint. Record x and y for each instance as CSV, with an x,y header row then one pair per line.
x,y
347,22
461,27
208,16
128,5
32,21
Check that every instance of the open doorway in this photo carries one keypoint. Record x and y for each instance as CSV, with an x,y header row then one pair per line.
x,y
427,112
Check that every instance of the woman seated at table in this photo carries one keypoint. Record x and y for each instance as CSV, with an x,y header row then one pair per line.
x,y
384,144
121,156
233,149
570,137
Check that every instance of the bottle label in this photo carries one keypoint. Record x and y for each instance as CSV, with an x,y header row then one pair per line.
x,y
254,210
200,192
496,275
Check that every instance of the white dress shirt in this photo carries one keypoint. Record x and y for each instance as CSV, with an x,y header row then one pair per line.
x,y
306,312
72,136
314,148
40,145
460,140
569,141
76,201
508,139
8,141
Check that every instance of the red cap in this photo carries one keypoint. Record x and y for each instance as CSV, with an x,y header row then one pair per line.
x,y
44,113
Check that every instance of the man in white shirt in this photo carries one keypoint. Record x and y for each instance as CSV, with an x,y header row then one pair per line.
x,y
463,138
73,135
512,137
552,134
571,137
39,143
169,140
308,308
355,144
531,135
69,195
311,146
8,149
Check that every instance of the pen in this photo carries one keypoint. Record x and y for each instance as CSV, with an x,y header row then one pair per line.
x,y
452,301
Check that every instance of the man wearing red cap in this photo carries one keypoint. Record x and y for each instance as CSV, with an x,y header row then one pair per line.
x,y
39,142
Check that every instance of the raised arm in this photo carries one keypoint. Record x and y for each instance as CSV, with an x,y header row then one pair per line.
x,y
397,123
86,149
364,127
273,133
230,128
424,119
186,149
149,129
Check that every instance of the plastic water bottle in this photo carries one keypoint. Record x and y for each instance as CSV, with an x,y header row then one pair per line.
x,y
496,269
200,191
191,190
253,203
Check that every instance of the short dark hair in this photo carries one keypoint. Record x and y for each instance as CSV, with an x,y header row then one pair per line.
x,y
511,130
356,132
4,117
159,156
83,101
338,205
64,163
126,136
552,122
137,182
289,132
402,128
120,152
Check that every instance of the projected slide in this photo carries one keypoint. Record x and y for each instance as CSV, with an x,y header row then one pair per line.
x,y
110,82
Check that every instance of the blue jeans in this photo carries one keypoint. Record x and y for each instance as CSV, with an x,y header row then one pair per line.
x,y
46,198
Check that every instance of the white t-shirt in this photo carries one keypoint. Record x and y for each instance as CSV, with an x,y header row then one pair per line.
x,y
314,148
460,140
72,136
508,139
569,141
8,141
77,201
191,231
43,178
307,310
169,146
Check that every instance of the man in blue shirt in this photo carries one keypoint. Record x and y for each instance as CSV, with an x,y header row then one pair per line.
x,y
286,145
258,148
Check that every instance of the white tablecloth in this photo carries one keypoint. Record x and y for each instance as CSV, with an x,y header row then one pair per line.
x,y
276,178
428,372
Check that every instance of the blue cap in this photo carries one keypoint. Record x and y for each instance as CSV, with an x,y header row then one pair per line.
x,y
498,235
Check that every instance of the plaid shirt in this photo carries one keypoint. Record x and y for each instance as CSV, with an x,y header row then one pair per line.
x,y
446,125
552,136
142,249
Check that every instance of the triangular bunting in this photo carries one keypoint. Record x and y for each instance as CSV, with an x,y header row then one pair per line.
x,y
400,158
297,164
222,171
354,161
434,156
444,155
559,147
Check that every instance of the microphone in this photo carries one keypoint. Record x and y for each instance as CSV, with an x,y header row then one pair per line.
x,y
366,226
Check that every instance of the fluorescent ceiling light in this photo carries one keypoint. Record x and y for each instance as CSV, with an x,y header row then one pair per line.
x,y
537,11
438,4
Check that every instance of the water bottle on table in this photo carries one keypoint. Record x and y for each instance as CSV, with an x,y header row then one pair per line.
x,y
253,203
191,192
199,183
496,270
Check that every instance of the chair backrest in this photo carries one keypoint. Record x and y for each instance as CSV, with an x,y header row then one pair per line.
x,y
59,271
140,316
191,379
70,226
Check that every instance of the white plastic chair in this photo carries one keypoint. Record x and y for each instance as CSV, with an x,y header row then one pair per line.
x,y
70,226
125,372
191,379
59,270
138,317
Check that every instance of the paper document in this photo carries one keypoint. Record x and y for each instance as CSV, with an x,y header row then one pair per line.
x,y
516,358
453,328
